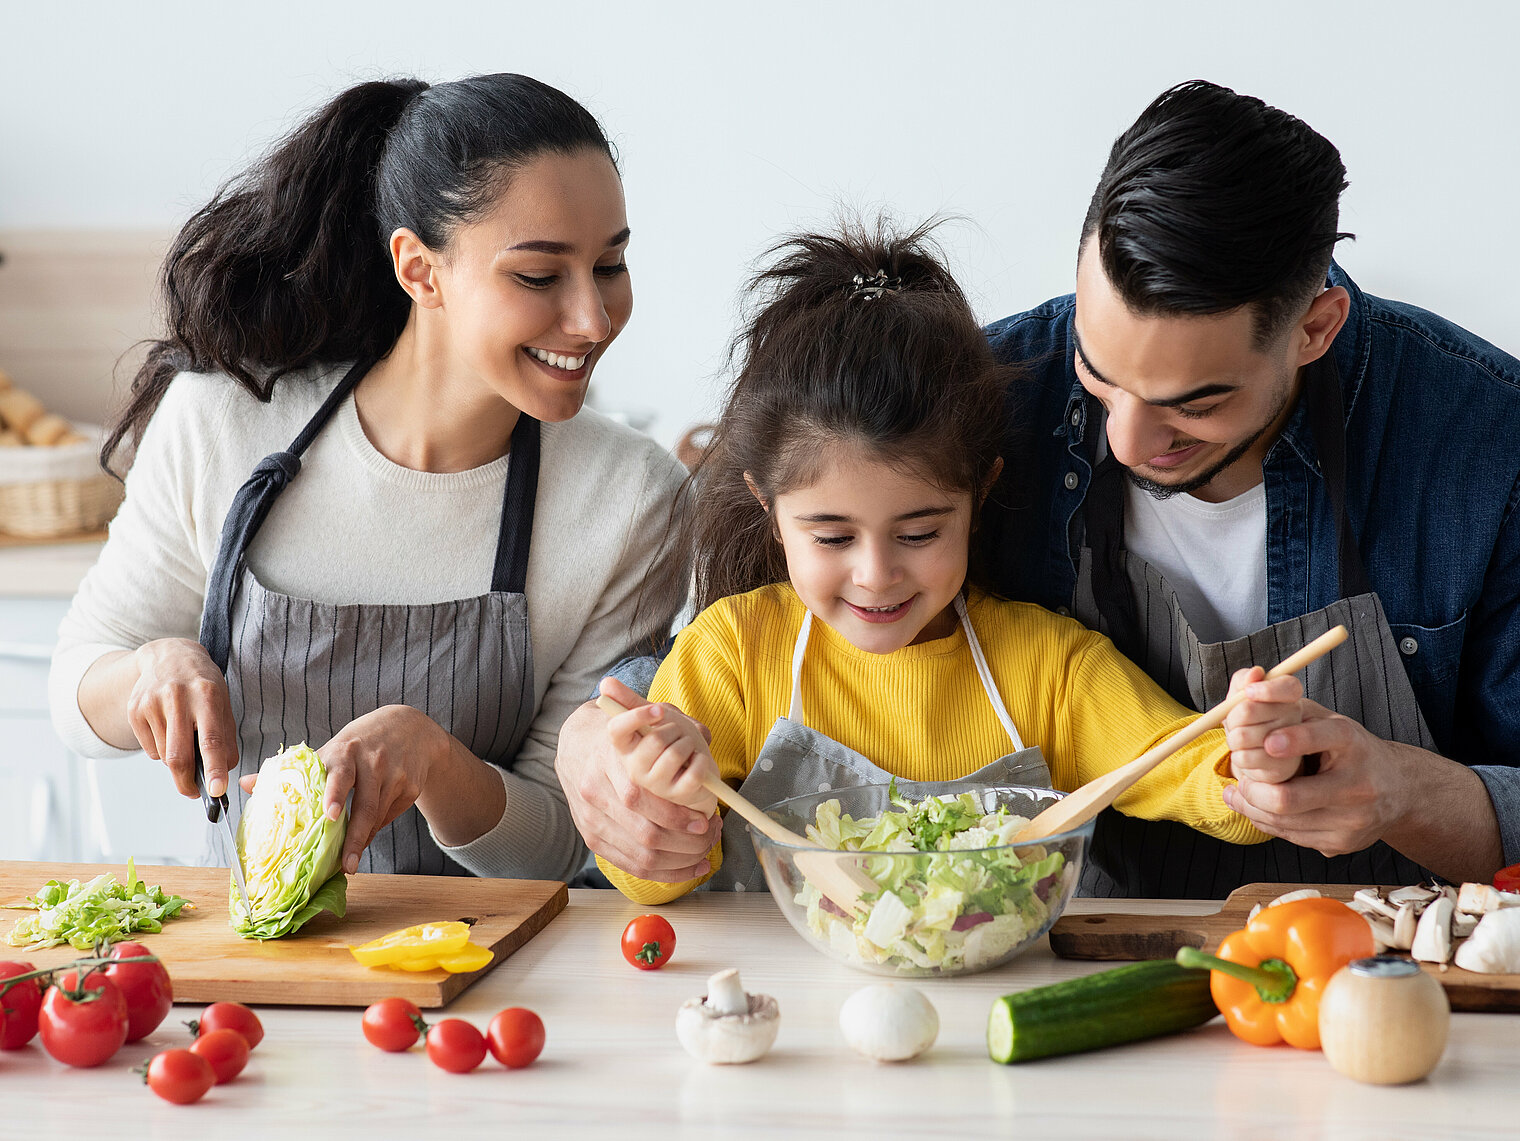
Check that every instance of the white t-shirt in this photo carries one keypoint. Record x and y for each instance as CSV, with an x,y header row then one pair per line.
x,y
353,527
1214,555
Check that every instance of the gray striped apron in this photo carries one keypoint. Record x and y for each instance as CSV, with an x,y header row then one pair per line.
x,y
300,670
1126,598
795,760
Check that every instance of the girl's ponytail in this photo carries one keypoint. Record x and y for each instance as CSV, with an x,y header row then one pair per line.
x,y
288,266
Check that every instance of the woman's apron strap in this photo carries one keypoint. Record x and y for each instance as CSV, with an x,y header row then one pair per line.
x,y
250,506
515,537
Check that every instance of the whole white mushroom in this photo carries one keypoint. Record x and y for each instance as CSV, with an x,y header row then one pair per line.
x,y
728,1026
889,1022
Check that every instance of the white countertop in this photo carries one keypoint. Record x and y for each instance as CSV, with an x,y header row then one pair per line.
x,y
612,1066
45,570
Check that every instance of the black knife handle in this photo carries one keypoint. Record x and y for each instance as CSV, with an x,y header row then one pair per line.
x,y
214,805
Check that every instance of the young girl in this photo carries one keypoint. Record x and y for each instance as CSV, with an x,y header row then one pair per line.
x,y
845,636
366,509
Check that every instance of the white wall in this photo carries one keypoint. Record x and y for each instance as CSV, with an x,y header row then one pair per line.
x,y
739,121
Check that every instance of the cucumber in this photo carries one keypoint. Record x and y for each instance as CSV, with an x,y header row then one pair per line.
x,y
1142,1000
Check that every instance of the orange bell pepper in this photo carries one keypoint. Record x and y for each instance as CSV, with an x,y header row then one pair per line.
x,y
1267,978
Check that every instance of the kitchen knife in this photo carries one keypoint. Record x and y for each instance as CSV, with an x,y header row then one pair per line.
x,y
216,812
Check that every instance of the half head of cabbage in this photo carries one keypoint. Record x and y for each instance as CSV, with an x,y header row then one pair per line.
x,y
290,849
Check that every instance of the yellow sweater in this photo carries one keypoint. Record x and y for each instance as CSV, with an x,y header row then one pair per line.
x,y
921,712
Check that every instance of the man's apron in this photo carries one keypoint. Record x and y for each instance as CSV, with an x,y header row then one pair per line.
x,y
300,670
795,760
1126,598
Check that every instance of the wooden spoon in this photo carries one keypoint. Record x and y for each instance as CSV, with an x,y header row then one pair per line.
x,y
1079,807
837,876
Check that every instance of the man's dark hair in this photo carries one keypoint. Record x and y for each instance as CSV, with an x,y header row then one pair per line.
x,y
1214,200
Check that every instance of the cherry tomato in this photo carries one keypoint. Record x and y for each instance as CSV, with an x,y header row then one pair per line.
x,y
180,1076
1505,879
516,1037
455,1045
87,1030
146,988
230,1016
18,1007
225,1050
649,942
393,1024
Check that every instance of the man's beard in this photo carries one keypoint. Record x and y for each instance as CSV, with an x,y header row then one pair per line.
x,y
1167,490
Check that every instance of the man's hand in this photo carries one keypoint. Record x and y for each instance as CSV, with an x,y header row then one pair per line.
x,y
1431,809
636,831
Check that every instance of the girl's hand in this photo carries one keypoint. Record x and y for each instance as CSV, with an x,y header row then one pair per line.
x,y
1268,706
180,695
665,752
385,759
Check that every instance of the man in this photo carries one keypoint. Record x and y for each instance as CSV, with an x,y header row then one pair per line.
x,y
1223,447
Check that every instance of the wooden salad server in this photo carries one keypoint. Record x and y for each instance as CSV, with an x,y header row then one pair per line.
x,y
836,875
1077,808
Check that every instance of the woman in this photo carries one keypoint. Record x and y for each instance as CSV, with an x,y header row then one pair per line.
x,y
365,508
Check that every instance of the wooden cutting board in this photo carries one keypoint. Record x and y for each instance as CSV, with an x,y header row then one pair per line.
x,y
209,962
1118,936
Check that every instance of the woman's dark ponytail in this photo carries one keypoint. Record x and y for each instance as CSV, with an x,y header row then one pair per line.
x,y
288,266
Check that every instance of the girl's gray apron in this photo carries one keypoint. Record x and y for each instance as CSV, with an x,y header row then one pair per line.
x,y
300,670
795,760
1126,598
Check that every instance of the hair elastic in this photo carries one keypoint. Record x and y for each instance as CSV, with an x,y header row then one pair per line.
x,y
874,286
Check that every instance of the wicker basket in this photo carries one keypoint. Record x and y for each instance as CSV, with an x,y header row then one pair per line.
x,y
50,492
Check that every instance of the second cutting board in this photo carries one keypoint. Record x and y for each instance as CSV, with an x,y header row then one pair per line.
x,y
1128,936
208,962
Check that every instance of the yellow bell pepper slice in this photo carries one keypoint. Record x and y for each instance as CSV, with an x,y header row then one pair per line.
x,y
472,958
426,941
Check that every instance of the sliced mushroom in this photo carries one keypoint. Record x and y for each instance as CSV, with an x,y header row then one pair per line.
x,y
1405,924
1480,899
1286,897
1462,924
1432,939
1382,933
728,1026
1495,946
1416,894
1370,901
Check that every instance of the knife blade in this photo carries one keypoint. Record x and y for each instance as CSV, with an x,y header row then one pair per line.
x,y
216,812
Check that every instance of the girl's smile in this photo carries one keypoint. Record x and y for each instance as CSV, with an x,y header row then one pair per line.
x,y
876,551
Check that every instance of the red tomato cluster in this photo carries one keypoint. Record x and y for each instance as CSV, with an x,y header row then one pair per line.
x,y
84,1023
225,1034
514,1038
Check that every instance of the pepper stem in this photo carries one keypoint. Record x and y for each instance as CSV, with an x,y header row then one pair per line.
x,y
1275,981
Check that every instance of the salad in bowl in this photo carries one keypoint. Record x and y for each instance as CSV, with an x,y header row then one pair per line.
x,y
956,893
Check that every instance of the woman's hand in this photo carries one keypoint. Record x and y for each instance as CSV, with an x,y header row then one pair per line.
x,y
180,695
1267,707
398,756
665,752
385,758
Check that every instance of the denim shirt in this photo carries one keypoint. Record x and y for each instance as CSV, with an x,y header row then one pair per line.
x,y
1433,480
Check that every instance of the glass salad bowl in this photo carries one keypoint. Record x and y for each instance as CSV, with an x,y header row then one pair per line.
x,y
955,896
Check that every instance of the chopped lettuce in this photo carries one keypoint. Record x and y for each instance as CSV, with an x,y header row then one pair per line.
x,y
290,850
953,895
80,914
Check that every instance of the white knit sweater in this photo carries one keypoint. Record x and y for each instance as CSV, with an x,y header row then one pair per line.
x,y
353,527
